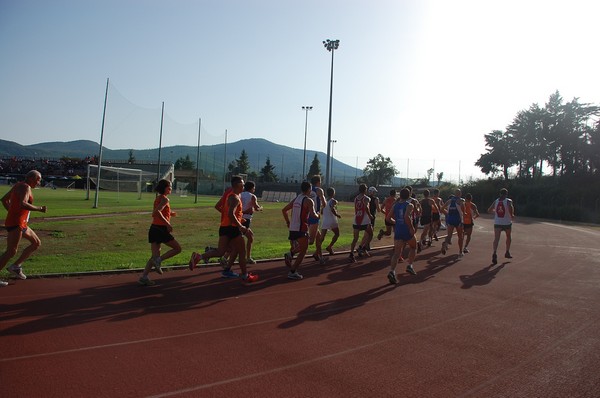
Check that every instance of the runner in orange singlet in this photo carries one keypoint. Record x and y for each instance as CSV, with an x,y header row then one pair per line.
x,y
387,205
160,232
231,233
471,213
19,203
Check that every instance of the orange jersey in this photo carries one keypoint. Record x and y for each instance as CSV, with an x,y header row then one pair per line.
x,y
434,209
166,212
239,213
17,216
388,203
468,214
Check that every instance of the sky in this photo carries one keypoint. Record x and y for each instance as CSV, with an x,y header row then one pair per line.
x,y
418,81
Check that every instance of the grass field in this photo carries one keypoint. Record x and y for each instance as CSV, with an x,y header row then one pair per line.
x,y
76,237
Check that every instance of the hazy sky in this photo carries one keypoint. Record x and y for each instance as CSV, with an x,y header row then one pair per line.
x,y
419,81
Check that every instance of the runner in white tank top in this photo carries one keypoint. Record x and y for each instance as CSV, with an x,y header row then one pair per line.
x,y
249,206
330,221
504,213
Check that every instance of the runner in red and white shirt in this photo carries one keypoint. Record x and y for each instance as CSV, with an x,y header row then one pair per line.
x,y
361,222
504,213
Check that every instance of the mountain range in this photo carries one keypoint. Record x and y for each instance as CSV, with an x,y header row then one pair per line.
x,y
287,160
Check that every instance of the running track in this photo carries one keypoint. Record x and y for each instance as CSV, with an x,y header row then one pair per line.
x,y
528,327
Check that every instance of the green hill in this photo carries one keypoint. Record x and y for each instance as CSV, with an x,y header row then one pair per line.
x,y
287,160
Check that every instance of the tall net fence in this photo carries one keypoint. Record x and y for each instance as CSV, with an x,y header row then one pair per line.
x,y
119,179
129,125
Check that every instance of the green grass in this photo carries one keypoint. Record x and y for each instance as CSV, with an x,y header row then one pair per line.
x,y
116,238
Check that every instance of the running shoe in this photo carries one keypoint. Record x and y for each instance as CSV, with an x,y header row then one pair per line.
x,y
435,237
359,251
287,257
224,262
294,275
392,277
352,258
410,269
145,281
444,248
330,251
507,255
194,261
3,283
494,259
461,255
250,278
316,256
380,234
250,260
322,260
466,250
206,250
156,261
228,273
17,272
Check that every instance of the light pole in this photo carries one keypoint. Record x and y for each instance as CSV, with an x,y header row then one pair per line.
x,y
306,109
331,167
331,46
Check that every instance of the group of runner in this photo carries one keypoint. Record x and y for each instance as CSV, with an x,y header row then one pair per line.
x,y
303,216
402,216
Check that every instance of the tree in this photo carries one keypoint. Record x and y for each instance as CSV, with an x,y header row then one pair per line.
x,y
184,163
131,157
240,165
314,169
429,174
243,165
498,157
379,170
439,176
557,135
267,174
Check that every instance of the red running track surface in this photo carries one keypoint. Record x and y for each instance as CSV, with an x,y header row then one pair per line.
x,y
527,327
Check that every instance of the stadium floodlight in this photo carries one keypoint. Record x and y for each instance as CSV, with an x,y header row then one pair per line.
x,y
306,109
331,46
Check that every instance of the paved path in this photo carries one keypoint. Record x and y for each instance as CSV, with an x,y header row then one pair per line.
x,y
528,327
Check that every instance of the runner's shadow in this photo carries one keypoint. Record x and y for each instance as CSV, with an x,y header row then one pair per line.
x,y
481,277
321,311
118,302
342,269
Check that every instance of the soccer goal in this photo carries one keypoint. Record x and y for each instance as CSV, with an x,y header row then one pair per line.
x,y
118,179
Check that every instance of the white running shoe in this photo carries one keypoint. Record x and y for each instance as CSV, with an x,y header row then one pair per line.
x,y
17,271
392,277
294,275
2,283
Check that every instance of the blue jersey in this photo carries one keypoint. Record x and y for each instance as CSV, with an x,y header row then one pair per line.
x,y
314,195
401,230
453,216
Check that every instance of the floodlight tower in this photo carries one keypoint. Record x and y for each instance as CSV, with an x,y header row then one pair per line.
x,y
331,46
331,167
306,109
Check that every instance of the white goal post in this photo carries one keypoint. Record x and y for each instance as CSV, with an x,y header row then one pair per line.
x,y
118,179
